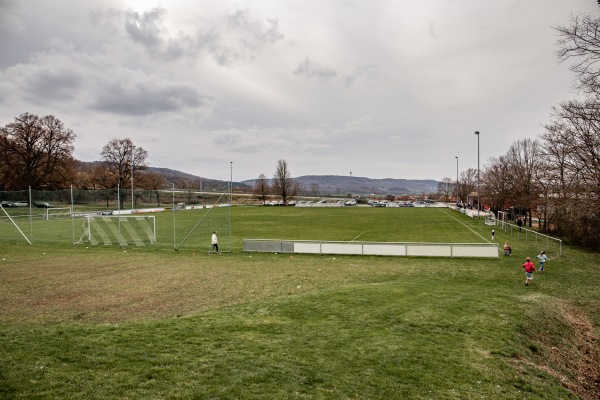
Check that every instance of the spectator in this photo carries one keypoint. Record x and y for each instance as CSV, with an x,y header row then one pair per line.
x,y
507,249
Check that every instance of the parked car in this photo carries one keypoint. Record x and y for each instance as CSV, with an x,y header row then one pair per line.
x,y
7,204
44,205
21,203
350,203
292,203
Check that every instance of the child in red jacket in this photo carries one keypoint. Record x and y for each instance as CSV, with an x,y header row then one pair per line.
x,y
529,270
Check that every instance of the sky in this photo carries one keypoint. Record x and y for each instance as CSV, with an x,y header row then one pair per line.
x,y
224,89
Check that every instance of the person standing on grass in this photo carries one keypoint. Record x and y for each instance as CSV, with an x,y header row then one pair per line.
x,y
543,258
215,243
507,249
529,270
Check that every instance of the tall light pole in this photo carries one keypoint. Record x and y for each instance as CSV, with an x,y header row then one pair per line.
x,y
478,186
132,195
230,201
456,181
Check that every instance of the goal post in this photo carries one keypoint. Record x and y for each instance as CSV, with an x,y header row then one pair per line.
x,y
15,225
193,228
122,230
59,212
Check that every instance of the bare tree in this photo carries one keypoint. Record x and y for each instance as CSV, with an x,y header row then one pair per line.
x,y
261,187
523,161
580,41
121,159
314,189
445,187
573,150
467,183
497,183
283,184
153,182
36,152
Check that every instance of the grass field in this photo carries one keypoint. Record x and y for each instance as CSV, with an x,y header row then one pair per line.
x,y
87,322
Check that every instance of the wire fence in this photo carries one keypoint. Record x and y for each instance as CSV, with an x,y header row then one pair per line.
x,y
529,235
48,217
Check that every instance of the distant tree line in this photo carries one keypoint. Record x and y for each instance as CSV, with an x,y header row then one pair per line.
x,y
37,152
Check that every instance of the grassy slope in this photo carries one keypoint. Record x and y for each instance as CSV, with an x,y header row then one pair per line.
x,y
99,322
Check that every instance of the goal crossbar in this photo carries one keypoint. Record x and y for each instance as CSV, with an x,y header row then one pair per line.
x,y
123,230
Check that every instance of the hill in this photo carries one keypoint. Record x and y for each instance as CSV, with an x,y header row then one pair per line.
x,y
316,184
336,184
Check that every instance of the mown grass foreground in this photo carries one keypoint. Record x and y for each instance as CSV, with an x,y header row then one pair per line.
x,y
106,322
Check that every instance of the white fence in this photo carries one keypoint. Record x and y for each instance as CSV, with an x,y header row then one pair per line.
x,y
478,250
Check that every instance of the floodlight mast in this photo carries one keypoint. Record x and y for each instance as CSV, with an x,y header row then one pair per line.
x,y
230,201
478,184
132,193
456,180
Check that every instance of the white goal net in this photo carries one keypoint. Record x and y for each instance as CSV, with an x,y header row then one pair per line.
x,y
122,230
59,213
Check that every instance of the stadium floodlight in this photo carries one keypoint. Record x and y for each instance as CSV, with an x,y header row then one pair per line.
x,y
132,195
478,184
456,180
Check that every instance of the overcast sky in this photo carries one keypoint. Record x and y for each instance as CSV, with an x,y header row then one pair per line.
x,y
381,89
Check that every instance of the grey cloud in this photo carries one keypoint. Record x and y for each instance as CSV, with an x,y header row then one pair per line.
x,y
225,46
147,97
368,71
256,33
42,83
145,28
309,69
53,84
258,140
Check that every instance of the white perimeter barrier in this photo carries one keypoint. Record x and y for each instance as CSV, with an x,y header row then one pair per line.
x,y
478,250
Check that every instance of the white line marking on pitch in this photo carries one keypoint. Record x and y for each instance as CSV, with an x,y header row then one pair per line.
x,y
456,219
358,236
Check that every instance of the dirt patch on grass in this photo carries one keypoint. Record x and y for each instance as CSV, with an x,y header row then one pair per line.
x,y
566,345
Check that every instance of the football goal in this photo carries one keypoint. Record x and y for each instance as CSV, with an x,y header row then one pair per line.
x,y
122,230
193,227
59,213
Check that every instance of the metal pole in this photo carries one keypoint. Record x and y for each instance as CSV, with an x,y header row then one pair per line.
x,y
73,220
30,216
132,195
173,210
478,185
230,201
456,181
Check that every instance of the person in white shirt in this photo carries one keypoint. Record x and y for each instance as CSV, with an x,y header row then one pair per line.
x,y
215,243
543,258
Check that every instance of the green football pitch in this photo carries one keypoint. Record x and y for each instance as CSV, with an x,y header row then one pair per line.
x,y
191,229
137,322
